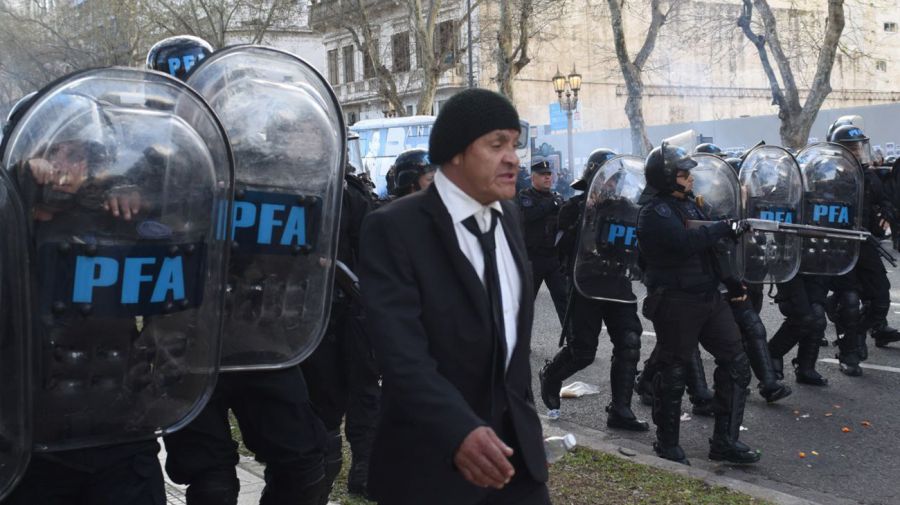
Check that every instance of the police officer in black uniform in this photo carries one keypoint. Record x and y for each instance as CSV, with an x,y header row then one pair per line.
x,y
412,171
869,271
586,317
540,208
272,407
686,307
341,374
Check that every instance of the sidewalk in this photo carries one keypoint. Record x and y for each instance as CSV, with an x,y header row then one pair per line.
x,y
250,473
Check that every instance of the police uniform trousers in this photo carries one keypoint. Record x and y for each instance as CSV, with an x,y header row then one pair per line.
x,y
110,475
875,288
343,380
278,425
682,320
546,269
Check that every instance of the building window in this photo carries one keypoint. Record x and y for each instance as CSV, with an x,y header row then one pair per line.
x,y
352,117
881,66
400,51
333,67
349,73
409,110
445,42
368,66
890,26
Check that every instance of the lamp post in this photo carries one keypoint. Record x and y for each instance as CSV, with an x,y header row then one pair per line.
x,y
568,85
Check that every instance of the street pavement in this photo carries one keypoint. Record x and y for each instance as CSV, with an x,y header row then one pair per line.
x,y
847,431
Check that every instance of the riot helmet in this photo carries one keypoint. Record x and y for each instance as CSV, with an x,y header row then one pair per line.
x,y
735,163
662,166
855,141
596,160
177,55
841,121
409,166
709,148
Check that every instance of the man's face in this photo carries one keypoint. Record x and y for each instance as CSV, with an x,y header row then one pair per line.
x,y
426,179
542,181
685,178
488,168
69,161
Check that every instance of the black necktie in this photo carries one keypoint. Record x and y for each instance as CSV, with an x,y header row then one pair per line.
x,y
491,274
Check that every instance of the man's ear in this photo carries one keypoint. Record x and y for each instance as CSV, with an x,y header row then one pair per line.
x,y
456,160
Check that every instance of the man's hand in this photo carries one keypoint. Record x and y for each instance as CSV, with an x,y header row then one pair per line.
x,y
123,204
483,459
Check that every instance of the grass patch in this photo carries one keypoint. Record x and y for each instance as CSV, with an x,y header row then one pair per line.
x,y
587,477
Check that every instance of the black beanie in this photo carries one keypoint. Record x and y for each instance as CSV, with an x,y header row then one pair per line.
x,y
466,116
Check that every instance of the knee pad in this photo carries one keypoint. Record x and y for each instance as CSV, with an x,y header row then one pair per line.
x,y
848,307
818,322
219,486
671,378
750,324
738,370
627,347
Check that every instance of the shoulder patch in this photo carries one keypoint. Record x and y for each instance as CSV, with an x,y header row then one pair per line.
x,y
525,201
663,210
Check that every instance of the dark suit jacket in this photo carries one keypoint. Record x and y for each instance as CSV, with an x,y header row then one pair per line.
x,y
431,331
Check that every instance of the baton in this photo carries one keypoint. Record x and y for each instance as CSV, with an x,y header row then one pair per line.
x,y
884,253
802,230
347,280
568,315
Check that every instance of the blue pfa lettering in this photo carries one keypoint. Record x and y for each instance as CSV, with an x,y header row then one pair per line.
x,y
781,216
186,62
839,214
618,231
274,222
166,277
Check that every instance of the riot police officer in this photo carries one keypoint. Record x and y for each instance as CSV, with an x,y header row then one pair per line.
x,y
540,208
686,307
710,148
271,405
585,318
869,270
412,171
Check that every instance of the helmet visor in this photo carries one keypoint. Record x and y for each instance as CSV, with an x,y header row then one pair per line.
x,y
862,151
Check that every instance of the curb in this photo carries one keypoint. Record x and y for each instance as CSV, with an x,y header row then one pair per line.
x,y
706,471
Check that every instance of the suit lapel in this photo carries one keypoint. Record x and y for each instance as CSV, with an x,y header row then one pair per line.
x,y
434,206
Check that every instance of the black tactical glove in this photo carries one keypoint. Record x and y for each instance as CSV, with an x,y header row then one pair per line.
x,y
736,289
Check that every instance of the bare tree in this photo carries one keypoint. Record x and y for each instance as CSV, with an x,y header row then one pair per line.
x,y
433,57
796,119
632,70
43,41
517,31
214,20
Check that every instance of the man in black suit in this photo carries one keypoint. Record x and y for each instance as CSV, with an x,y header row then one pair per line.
x,y
448,295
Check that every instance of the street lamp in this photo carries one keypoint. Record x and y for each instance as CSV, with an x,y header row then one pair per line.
x,y
568,85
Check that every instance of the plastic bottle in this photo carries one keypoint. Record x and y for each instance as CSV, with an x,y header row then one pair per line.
x,y
557,447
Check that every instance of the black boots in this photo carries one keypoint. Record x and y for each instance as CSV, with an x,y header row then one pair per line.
x,y
805,362
552,375
731,394
668,388
753,334
882,333
698,390
621,378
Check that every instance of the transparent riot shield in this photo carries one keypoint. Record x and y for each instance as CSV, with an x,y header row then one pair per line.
x,y
287,133
772,189
15,416
125,176
833,187
717,192
606,259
